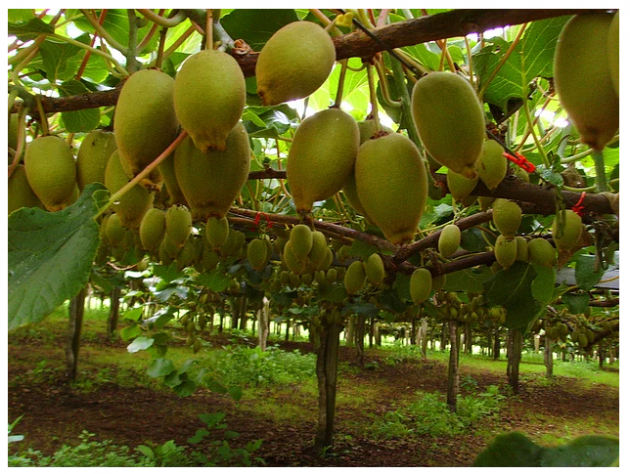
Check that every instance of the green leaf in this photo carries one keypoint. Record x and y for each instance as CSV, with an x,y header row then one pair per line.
x,y
334,294
140,343
471,279
160,368
56,60
168,273
78,121
215,386
544,284
255,27
133,314
516,450
361,249
50,256
510,450
130,332
576,303
532,57
186,388
512,289
198,437
236,393
31,30
21,15
549,175
215,280
586,274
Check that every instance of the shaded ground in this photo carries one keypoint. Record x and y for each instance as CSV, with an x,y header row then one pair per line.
x,y
55,414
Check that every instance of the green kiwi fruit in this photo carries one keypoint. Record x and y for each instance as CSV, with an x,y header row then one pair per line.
x,y
92,157
51,171
450,120
114,230
132,206
167,172
507,216
211,181
449,240
217,231
322,156
19,192
301,241
491,165
582,78
209,97
505,251
566,236
292,262
541,252
392,185
522,252
294,63
257,254
374,269
355,278
144,120
420,285
178,220
460,186
319,250
152,228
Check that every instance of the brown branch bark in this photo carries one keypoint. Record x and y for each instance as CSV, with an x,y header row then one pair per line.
x,y
451,24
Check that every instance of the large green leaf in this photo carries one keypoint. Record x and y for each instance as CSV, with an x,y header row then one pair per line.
x,y
512,289
56,60
586,273
532,57
255,27
50,256
471,280
78,121
516,450
543,285
31,30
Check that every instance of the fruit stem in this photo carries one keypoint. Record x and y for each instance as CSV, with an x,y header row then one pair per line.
x,y
399,77
130,53
382,77
342,78
373,99
530,125
143,174
329,25
600,170
209,38
20,138
175,20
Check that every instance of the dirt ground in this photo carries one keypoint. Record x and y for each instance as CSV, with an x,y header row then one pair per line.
x,y
55,414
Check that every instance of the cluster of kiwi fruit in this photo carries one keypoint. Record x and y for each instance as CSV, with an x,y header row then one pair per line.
x,y
451,308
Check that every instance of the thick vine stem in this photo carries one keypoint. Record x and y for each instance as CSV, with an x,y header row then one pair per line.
x,y
396,35
162,21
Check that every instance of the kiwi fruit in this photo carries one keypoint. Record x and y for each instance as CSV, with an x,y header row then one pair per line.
x,y
152,228
350,191
145,123
92,157
613,51
301,241
505,251
507,216
319,250
485,202
322,156
51,171
209,259
420,285
355,278
217,231
566,236
582,78
522,253
460,186
186,256
438,282
12,134
450,121
167,172
19,192
392,185
178,222
374,269
294,63
449,240
132,206
209,97
541,252
292,262
491,165
211,181
257,254
114,230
